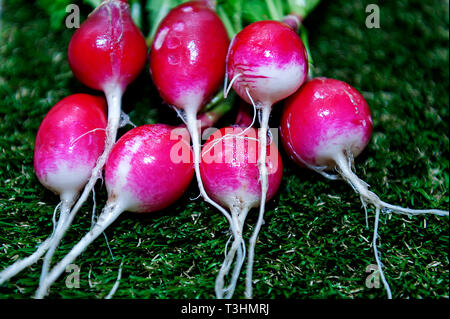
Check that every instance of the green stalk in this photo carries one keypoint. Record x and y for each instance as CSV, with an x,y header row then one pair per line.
x,y
273,10
163,11
279,6
136,13
304,37
226,22
237,15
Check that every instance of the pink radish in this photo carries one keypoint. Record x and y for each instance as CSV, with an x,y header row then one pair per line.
x,y
68,143
266,63
148,169
230,174
324,126
187,64
107,53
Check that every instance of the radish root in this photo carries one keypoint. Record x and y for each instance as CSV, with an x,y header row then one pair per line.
x,y
262,136
45,246
369,197
344,162
56,237
238,247
110,213
116,284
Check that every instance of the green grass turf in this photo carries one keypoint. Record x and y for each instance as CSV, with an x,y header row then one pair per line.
x,y
314,243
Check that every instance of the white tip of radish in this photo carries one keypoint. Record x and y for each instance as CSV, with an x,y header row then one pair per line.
x,y
67,180
191,100
334,140
276,84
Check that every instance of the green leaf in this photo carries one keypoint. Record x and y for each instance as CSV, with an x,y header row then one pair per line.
x,y
231,11
255,10
136,12
93,3
157,10
56,9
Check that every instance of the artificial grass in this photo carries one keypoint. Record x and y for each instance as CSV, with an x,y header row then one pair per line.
x,y
314,243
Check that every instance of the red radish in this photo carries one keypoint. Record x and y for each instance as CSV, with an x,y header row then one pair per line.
x,y
107,53
266,63
230,174
68,143
324,126
144,173
187,64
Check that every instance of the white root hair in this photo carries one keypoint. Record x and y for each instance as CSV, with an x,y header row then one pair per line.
x,y
344,163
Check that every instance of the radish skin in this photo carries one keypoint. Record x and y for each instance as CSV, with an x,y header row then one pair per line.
x,y
68,143
266,62
323,127
229,170
141,175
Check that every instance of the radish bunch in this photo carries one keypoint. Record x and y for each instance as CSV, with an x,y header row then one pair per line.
x,y
325,124
266,62
106,53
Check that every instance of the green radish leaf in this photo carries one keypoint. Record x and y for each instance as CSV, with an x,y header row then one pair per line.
x,y
157,10
230,12
93,3
255,10
56,9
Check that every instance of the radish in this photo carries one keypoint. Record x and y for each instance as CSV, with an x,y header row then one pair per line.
x,y
68,143
107,53
324,126
230,174
266,63
148,169
187,64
